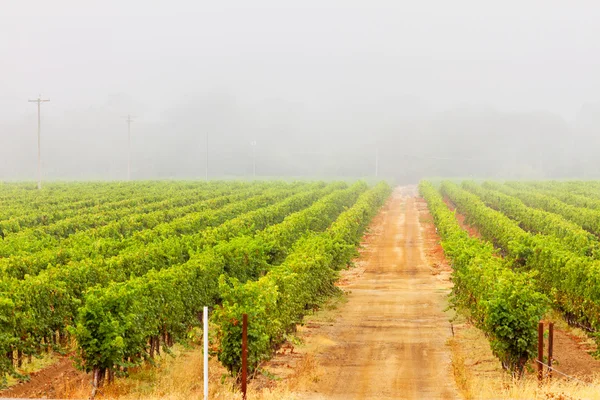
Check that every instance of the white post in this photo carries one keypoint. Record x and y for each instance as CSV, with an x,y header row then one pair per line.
x,y
205,332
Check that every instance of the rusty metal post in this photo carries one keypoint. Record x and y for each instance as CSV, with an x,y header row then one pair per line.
x,y
550,347
244,354
540,351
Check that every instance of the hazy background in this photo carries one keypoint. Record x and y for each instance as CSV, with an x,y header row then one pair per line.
x,y
510,89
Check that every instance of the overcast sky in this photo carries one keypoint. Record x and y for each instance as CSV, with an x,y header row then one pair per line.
x,y
326,55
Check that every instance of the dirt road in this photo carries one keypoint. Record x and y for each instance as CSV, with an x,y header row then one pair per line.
x,y
389,340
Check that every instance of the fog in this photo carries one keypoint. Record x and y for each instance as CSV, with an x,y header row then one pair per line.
x,y
429,88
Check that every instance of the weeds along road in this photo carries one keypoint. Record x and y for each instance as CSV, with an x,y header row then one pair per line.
x,y
389,341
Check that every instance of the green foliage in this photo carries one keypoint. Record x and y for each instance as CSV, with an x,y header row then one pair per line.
x,y
503,303
47,302
581,218
537,220
561,268
169,300
229,318
295,287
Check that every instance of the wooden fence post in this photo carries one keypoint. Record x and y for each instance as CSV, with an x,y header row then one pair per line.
x,y
205,342
540,351
244,354
550,347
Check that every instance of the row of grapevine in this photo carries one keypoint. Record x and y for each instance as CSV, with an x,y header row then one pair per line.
x,y
535,220
38,308
588,219
493,225
589,189
125,237
53,220
560,192
571,280
277,302
30,217
50,236
71,197
503,303
119,325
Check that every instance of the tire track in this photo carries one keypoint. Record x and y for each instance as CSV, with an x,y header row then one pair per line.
x,y
389,341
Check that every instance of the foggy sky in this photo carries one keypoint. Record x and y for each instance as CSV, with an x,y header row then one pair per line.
x,y
302,75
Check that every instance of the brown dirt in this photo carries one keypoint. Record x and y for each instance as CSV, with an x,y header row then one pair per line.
x,y
432,242
293,364
389,338
571,354
55,381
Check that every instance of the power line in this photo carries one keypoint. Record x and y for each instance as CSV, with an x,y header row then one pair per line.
x,y
39,102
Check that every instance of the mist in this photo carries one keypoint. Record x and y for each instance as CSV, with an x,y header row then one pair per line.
x,y
324,88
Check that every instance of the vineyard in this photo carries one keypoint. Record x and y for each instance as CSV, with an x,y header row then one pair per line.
x,y
523,249
117,272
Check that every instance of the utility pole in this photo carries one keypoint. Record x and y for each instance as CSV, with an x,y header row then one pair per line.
x,y
253,144
129,121
39,102
376,162
206,169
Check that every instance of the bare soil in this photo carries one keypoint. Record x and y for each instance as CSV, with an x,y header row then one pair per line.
x,y
431,243
388,341
572,354
56,381
461,219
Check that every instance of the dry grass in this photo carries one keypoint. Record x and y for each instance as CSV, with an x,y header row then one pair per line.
x,y
476,371
478,374
179,377
529,388
461,373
